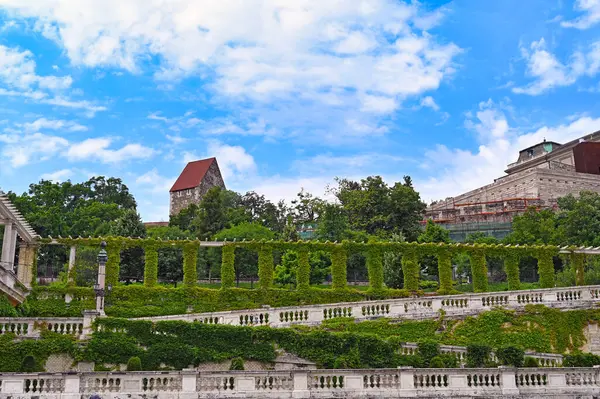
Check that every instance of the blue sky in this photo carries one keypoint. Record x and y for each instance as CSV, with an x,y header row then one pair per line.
x,y
289,95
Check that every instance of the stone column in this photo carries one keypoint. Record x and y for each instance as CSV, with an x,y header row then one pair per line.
x,y
407,381
13,247
71,390
300,384
7,241
24,270
72,255
507,381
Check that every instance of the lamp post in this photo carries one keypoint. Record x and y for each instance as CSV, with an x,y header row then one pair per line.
x,y
99,287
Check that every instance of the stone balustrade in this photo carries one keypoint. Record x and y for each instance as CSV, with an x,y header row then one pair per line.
x,y
417,308
460,352
28,327
380,383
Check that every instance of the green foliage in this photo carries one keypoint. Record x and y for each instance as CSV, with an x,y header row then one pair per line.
x,y
533,227
339,260
531,362
436,362
303,273
410,269
429,350
113,264
511,267
510,356
134,364
6,308
29,364
546,266
578,261
434,233
479,271
237,364
265,268
228,266
581,360
151,266
477,355
445,272
333,223
375,268
190,267
285,273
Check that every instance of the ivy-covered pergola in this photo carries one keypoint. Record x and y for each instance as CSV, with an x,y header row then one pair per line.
x,y
339,252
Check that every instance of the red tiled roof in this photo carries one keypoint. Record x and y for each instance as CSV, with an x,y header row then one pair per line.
x,y
192,174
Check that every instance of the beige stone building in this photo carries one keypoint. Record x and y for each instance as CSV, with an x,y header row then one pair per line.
x,y
194,182
542,174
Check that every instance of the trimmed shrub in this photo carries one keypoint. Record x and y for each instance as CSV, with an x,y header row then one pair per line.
x,y
150,266
265,268
511,268
134,364
428,350
478,355
437,363
445,272
237,364
339,261
479,271
531,362
546,268
581,360
29,364
303,273
190,259
511,356
410,269
228,266
450,360
375,268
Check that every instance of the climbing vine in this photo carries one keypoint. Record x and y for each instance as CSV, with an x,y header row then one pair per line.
x,y
578,261
228,266
479,270
190,259
150,265
303,273
545,256
34,267
410,268
375,268
339,259
511,267
113,264
265,267
445,271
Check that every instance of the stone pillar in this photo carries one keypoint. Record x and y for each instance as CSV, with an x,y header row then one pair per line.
x,y
99,288
72,255
27,255
188,384
407,381
13,247
88,322
508,381
71,391
300,384
5,260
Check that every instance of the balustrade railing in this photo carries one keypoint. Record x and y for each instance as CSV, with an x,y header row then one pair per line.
x,y
25,327
384,383
405,308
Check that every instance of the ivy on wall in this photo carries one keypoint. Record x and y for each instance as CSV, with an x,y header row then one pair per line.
x,y
190,260
375,268
511,268
479,270
578,261
265,267
445,271
303,273
545,256
113,264
150,265
339,260
228,266
410,269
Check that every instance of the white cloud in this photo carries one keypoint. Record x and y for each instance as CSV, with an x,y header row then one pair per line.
x,y
235,163
54,124
58,176
331,53
454,171
551,73
429,102
97,149
155,182
590,17
21,150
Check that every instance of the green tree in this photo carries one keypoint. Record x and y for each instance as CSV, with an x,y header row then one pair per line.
x,y
533,227
170,260
579,219
285,273
306,207
433,233
393,275
333,223
129,224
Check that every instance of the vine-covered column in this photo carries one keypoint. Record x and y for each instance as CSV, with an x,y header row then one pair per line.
x,y
34,266
375,267
266,267
444,258
410,269
113,264
578,261
150,265
227,266
546,266
339,264
479,270
303,275
190,261
511,268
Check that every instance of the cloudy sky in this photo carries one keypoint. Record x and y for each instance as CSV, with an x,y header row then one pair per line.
x,y
290,94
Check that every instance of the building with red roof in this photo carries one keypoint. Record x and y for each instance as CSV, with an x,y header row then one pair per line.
x,y
193,183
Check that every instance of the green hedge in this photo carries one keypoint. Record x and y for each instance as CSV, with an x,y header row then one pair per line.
x,y
150,267
578,261
445,272
190,259
410,269
228,267
265,268
375,268
13,352
303,274
511,267
339,260
546,267
479,271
